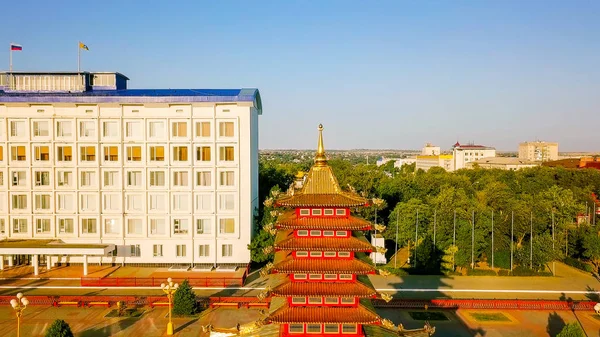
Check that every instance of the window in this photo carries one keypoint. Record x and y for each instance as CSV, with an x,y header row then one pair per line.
x,y
134,178
42,202
204,202
203,226
203,153
202,129
340,211
316,212
296,328
19,225
226,178
179,129
305,212
346,277
87,153
180,250
341,233
331,300
136,251
134,226
157,178
111,153
157,250
42,225
88,202
157,129
87,178
204,250
203,178
328,233
111,226
329,254
227,226
110,129
88,226
226,202
40,129
348,328
157,153
328,212
111,178
157,202
226,153
343,254
111,202
298,300
180,202
64,153
315,233
316,254
157,226
19,201
63,129
87,129
64,178
180,153
17,153
315,300
347,300
302,232
180,178
180,226
227,250
301,254
226,129
315,276
299,276
1,178
313,328
65,226
17,128
134,203
134,153
332,328
133,130
42,178
41,153
1,153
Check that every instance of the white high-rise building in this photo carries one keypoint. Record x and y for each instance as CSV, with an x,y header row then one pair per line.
x,y
157,177
464,154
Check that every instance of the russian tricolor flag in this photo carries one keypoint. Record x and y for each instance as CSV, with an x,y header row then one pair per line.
x,y
16,47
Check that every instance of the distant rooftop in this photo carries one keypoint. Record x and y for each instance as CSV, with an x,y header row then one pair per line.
x,y
472,146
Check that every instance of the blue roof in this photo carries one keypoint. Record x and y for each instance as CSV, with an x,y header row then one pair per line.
x,y
137,96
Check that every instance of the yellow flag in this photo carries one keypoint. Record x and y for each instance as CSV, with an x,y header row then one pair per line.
x,y
83,46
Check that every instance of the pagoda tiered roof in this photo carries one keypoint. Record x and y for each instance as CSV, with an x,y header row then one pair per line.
x,y
329,289
324,315
285,240
289,220
284,263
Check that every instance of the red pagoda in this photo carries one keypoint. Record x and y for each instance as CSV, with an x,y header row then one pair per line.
x,y
321,249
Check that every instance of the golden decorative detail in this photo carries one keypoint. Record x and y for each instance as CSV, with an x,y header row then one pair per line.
x,y
388,324
380,228
268,202
320,159
378,202
264,272
267,250
273,231
386,297
384,272
381,250
268,227
274,213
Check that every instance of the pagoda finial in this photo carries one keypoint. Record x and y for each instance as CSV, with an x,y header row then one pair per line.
x,y
320,159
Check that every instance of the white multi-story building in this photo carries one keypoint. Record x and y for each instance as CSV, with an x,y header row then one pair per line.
x,y
538,151
158,177
430,150
464,154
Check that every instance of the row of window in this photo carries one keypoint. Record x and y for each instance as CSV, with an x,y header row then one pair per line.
x,y
322,212
111,153
134,226
182,251
326,277
324,300
320,233
134,203
156,179
111,129
313,253
322,328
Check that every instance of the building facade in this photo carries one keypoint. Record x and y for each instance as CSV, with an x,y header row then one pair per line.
x,y
464,154
444,161
538,151
166,176
430,150
502,163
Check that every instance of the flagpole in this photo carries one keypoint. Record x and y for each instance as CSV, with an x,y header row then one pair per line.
x,y
79,57
10,57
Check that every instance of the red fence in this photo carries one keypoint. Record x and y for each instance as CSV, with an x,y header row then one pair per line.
x,y
487,304
83,301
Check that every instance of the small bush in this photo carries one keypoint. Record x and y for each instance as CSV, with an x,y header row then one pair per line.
x,y
481,272
571,330
578,264
59,328
396,271
504,272
184,300
524,271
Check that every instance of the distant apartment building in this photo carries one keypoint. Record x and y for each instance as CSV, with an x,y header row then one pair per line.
x,y
157,177
398,162
464,154
430,150
444,161
538,151
502,163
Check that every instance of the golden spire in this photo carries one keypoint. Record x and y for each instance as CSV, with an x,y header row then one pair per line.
x,y
320,159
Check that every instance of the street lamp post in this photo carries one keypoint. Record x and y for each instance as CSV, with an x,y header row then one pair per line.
x,y
169,289
19,305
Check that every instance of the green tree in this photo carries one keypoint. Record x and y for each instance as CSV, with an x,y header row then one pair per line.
x,y
59,328
261,245
184,300
591,246
571,330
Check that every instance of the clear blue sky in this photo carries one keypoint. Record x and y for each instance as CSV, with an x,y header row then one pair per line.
x,y
377,74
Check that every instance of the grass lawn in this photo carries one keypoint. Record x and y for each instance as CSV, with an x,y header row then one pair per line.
x,y
428,316
126,313
489,317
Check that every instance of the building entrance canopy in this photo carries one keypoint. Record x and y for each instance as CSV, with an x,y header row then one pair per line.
x,y
52,247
